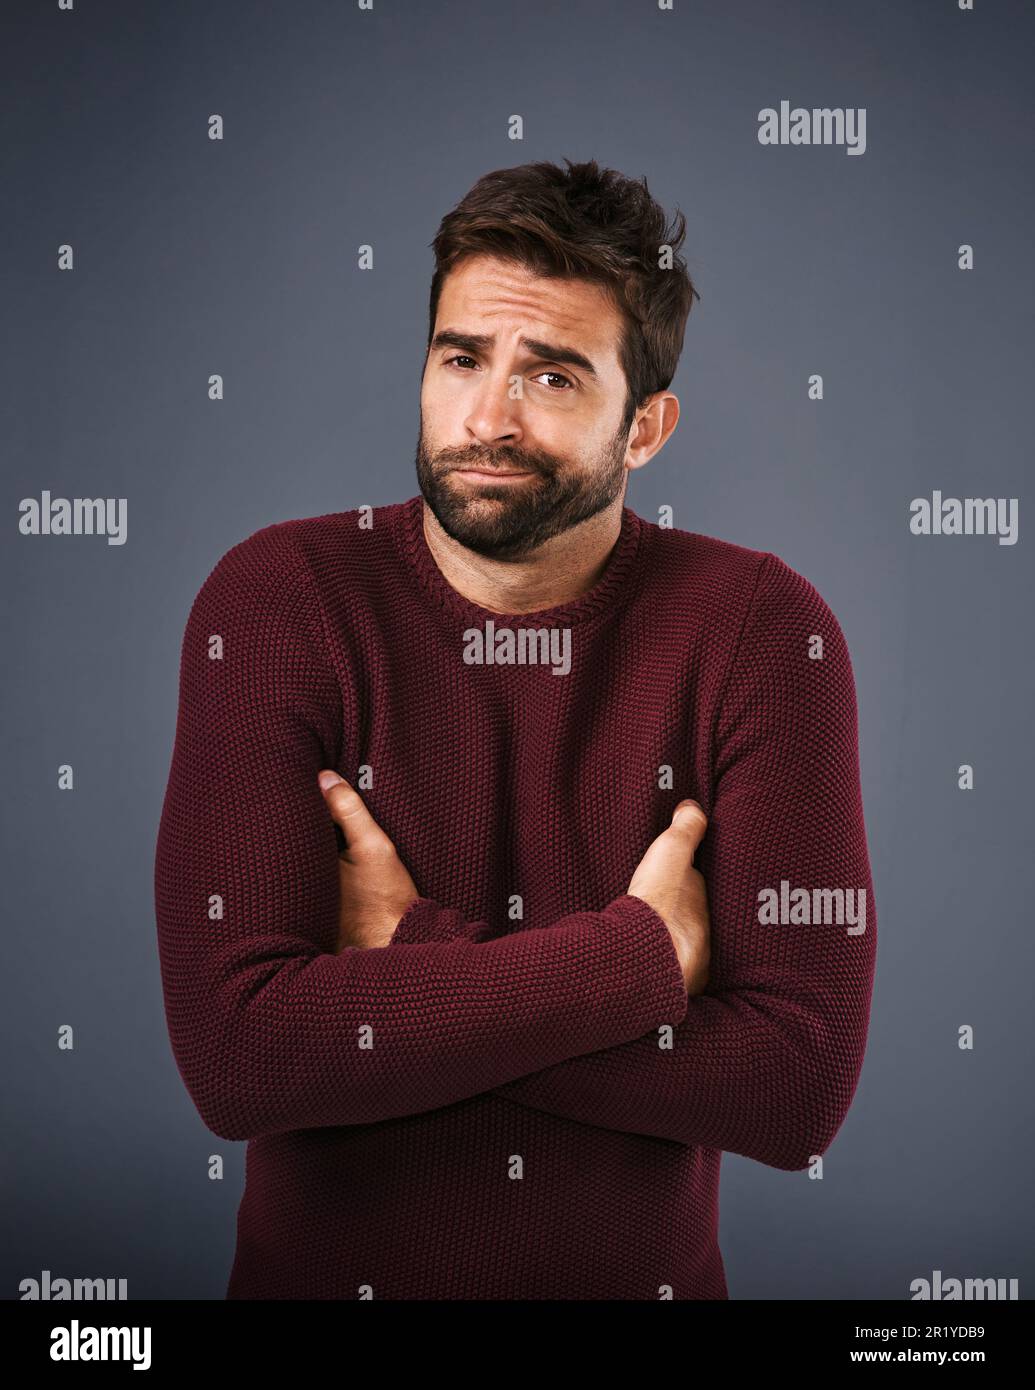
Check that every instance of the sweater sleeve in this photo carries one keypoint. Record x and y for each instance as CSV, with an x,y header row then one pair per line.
x,y
766,1062
270,1029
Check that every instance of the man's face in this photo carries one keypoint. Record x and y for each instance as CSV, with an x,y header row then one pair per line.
x,y
522,378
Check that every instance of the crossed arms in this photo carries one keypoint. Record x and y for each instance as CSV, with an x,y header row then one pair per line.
x,y
587,1018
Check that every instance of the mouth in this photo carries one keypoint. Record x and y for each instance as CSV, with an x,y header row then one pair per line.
x,y
492,475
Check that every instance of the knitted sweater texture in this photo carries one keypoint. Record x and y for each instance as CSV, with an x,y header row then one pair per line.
x,y
514,1099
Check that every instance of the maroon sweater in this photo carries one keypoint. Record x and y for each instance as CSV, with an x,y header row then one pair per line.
x,y
515,1098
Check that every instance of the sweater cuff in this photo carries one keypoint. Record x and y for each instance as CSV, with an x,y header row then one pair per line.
x,y
637,918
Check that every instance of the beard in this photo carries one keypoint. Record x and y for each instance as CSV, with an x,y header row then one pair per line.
x,y
508,521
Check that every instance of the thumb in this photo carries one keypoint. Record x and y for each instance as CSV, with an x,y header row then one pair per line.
x,y
691,823
349,811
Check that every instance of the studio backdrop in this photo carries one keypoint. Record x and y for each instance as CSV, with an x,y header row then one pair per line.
x,y
217,263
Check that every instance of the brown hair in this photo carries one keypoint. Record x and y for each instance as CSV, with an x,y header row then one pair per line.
x,y
583,223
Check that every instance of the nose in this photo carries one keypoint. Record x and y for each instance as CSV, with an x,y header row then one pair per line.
x,y
493,418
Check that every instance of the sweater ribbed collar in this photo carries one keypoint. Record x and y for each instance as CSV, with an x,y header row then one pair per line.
x,y
611,589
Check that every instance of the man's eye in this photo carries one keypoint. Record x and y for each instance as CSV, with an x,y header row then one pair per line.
x,y
558,375
461,357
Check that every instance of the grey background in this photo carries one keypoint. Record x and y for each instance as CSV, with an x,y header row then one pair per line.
x,y
239,257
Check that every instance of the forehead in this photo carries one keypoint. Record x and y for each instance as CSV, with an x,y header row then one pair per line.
x,y
503,297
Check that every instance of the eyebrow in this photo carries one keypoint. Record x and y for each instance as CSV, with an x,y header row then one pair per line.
x,y
484,342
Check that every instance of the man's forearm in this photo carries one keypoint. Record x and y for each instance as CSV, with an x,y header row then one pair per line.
x,y
766,1075
297,1040
765,1069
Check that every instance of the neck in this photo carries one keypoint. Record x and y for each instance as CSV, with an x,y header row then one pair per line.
x,y
560,570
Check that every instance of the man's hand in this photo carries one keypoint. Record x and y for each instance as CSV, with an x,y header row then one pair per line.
x,y
667,881
374,883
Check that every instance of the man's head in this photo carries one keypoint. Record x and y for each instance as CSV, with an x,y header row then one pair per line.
x,y
558,308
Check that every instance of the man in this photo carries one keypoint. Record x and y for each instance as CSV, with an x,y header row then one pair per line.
x,y
603,906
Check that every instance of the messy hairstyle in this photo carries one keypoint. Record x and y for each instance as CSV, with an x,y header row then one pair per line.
x,y
583,223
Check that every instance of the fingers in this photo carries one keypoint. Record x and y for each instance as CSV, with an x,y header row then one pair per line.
x,y
691,822
349,812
